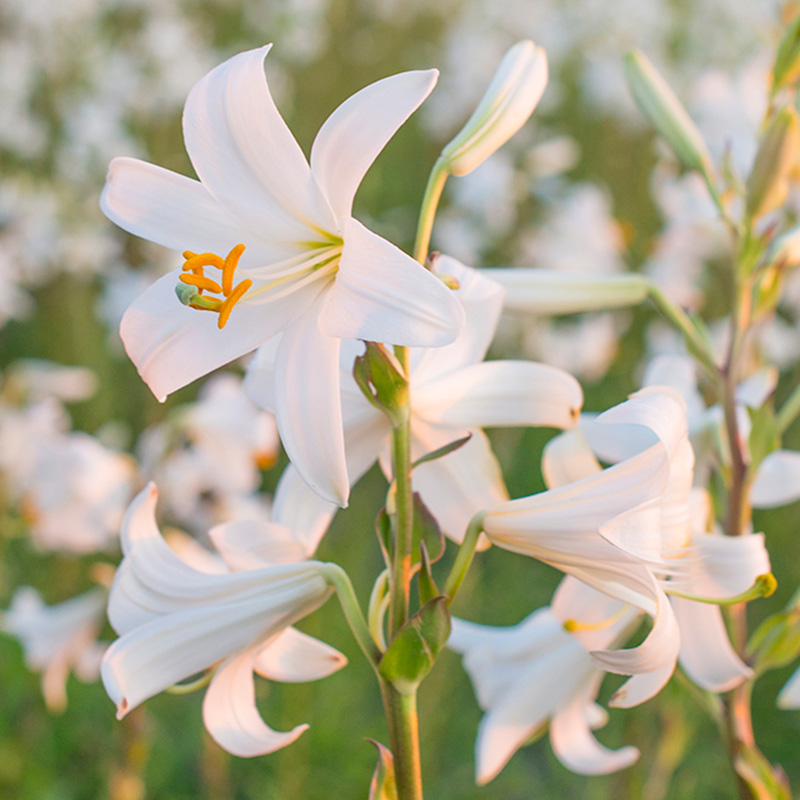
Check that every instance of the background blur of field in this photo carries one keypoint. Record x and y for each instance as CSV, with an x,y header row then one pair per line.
x,y
323,52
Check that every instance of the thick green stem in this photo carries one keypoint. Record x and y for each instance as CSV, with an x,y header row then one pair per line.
x,y
401,717
403,523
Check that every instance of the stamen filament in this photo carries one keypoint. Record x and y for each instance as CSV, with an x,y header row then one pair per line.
x,y
573,625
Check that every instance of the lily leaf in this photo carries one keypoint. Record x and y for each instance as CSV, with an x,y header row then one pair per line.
x,y
383,786
442,451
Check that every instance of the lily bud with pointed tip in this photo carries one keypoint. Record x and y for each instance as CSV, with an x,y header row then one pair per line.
x,y
510,99
661,106
786,69
767,184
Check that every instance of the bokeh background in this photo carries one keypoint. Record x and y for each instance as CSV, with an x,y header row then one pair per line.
x,y
584,187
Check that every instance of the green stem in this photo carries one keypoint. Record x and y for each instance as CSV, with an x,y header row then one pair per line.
x,y
403,523
789,411
427,212
340,581
401,717
464,558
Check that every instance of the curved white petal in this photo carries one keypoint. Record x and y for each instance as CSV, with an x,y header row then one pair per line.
x,y
777,480
706,654
641,687
482,300
308,408
789,696
501,393
614,443
296,657
679,372
172,344
259,379
728,565
230,714
359,129
176,212
381,294
461,484
253,543
567,458
578,750
301,509
245,154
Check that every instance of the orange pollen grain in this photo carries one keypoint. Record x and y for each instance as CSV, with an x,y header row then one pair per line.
x,y
194,275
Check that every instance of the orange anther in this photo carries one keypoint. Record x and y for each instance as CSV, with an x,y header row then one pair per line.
x,y
231,301
201,282
231,262
204,260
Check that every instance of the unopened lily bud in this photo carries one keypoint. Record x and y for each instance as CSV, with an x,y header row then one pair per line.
x,y
786,69
550,292
510,99
660,105
784,251
768,182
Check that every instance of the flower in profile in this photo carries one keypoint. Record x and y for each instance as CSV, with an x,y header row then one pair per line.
x,y
454,394
58,639
283,251
177,617
541,671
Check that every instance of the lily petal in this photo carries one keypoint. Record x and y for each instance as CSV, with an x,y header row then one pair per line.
x,y
501,393
777,481
252,543
568,458
706,653
359,129
296,657
243,151
729,564
172,344
231,716
176,212
578,750
308,408
381,294
789,696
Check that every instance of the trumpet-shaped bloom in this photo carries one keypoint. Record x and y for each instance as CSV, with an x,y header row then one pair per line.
x,y
453,393
284,252
177,618
541,670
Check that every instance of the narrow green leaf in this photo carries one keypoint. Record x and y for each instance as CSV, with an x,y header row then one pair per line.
x,y
383,527
442,451
383,786
426,529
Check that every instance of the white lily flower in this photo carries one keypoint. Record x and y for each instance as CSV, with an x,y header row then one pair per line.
x,y
177,618
58,639
290,256
606,529
541,671
453,393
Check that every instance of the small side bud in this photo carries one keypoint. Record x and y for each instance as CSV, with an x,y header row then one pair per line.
x,y
510,99
380,377
768,182
786,69
660,105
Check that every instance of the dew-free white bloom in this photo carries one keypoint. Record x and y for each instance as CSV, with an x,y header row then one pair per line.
x,y
177,618
453,393
58,639
538,672
308,269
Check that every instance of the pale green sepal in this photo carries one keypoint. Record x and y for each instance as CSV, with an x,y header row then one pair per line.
x,y
786,69
383,785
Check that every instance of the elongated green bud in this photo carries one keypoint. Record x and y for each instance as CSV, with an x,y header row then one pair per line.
x,y
510,99
786,69
768,182
660,105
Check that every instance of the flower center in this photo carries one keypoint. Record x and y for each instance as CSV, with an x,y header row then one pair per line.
x,y
194,282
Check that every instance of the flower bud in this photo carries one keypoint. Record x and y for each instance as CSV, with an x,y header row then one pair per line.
x,y
786,69
544,291
660,105
768,182
508,102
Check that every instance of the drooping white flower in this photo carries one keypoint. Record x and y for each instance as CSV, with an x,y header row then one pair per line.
x,y
177,618
541,671
453,393
290,256
58,639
